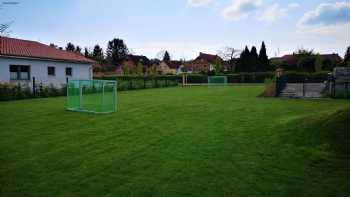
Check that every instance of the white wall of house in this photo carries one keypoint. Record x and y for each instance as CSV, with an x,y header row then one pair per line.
x,y
39,70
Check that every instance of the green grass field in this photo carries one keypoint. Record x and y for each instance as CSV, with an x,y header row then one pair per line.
x,y
198,141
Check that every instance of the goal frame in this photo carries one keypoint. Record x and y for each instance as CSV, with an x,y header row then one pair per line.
x,y
100,106
216,83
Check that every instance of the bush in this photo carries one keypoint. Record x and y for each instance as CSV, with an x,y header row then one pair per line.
x,y
15,92
143,82
297,77
342,95
270,88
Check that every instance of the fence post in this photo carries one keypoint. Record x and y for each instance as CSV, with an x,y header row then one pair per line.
x,y
333,88
144,82
156,83
130,84
166,82
303,88
277,86
34,91
346,87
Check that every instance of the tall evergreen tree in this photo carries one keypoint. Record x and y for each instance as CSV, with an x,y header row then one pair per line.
x,y
253,60
97,53
263,59
347,55
86,52
70,47
78,49
243,63
116,51
166,57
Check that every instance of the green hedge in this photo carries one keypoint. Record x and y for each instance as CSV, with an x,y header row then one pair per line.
x,y
259,77
297,77
16,92
143,82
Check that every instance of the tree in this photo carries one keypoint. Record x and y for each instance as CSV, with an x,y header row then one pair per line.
x,y
318,63
86,52
78,49
97,53
243,62
218,65
53,45
253,60
306,64
263,58
116,51
4,29
139,68
166,57
347,56
70,47
304,52
125,69
229,54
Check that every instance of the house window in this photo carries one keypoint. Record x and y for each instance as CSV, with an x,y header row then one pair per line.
x,y
51,71
68,71
19,72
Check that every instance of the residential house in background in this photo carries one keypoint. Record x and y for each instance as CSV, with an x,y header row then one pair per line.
x,y
290,62
204,63
131,62
168,67
21,61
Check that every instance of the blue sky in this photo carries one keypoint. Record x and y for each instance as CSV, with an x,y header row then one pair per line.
x,y
185,27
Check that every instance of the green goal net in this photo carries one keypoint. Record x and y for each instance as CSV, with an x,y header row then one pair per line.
x,y
96,96
217,80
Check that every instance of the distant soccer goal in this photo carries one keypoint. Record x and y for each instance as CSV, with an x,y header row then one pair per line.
x,y
217,80
96,96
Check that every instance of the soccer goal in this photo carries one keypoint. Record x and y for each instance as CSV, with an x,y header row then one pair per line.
x,y
96,96
217,80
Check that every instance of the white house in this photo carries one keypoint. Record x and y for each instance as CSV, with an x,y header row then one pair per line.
x,y
22,61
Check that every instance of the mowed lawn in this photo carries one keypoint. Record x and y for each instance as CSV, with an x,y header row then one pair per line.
x,y
198,141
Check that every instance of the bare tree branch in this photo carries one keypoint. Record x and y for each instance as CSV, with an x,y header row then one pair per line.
x,y
4,29
229,53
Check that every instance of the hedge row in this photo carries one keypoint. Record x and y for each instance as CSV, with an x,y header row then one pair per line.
x,y
297,77
16,92
259,77
141,82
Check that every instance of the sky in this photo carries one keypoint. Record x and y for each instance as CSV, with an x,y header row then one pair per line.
x,y
185,27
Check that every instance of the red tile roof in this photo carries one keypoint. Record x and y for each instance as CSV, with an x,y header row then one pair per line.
x,y
209,57
31,49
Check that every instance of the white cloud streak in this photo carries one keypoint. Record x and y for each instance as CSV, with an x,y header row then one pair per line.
x,y
272,13
327,14
198,3
239,9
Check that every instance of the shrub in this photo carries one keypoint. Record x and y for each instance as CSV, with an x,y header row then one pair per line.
x,y
16,92
142,82
270,88
342,95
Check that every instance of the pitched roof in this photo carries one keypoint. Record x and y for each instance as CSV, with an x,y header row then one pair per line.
x,y
32,49
139,58
173,64
209,57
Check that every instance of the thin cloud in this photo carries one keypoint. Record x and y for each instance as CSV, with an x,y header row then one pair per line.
x,y
198,3
272,13
293,5
240,9
327,14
